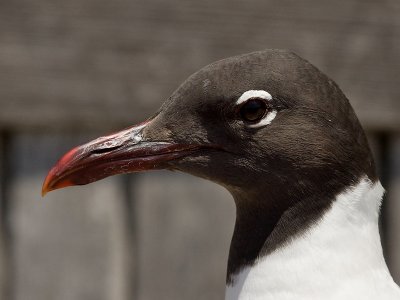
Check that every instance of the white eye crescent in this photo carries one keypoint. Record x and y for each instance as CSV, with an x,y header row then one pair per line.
x,y
248,98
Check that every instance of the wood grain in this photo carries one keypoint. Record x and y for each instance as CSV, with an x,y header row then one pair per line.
x,y
75,63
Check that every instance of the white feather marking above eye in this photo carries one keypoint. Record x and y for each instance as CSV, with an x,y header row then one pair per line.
x,y
261,94
254,94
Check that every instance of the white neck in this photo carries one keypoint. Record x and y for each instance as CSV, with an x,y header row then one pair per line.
x,y
340,257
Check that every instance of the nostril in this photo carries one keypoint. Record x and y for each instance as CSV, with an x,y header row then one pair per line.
x,y
138,137
104,150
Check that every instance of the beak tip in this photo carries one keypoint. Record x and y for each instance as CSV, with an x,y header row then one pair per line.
x,y
53,182
46,186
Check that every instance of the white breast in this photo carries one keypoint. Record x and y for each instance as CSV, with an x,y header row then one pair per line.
x,y
340,257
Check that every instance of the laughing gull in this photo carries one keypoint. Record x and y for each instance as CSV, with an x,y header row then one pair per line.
x,y
282,138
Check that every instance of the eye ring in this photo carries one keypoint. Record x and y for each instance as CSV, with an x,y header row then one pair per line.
x,y
253,110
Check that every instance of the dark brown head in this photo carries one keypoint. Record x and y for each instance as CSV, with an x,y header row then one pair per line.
x,y
274,119
268,126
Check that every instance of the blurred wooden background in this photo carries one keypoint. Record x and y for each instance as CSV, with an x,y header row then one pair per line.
x,y
71,70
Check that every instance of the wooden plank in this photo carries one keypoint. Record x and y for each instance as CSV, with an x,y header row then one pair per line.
x,y
184,231
6,238
71,64
386,150
3,270
5,266
71,244
392,210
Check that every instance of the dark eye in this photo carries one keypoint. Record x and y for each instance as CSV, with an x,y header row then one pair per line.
x,y
253,110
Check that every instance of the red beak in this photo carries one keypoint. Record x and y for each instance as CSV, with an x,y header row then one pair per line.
x,y
123,152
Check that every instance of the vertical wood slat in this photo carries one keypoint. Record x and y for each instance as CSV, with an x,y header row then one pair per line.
x,y
393,208
71,244
3,269
386,150
184,232
129,183
384,170
6,267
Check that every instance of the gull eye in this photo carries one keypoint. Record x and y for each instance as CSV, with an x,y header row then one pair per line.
x,y
253,110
